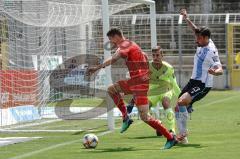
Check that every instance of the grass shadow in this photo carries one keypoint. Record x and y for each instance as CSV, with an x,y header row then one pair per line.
x,y
145,137
117,149
190,145
78,133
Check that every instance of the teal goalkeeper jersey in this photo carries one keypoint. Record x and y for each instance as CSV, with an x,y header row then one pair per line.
x,y
162,80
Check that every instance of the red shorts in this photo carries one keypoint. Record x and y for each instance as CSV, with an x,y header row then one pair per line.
x,y
139,89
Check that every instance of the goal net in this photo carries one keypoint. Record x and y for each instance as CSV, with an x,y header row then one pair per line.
x,y
46,47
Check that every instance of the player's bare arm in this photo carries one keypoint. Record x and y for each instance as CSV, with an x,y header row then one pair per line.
x,y
183,12
216,71
108,62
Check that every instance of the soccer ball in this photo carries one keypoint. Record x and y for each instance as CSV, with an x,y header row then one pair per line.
x,y
90,141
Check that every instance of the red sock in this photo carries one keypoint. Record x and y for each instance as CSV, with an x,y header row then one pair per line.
x,y
120,104
157,125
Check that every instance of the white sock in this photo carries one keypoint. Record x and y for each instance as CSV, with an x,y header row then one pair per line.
x,y
181,118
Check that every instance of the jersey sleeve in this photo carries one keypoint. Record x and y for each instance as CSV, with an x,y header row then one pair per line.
x,y
214,58
125,48
123,52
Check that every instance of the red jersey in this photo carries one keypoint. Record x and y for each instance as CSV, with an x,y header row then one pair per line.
x,y
136,60
137,63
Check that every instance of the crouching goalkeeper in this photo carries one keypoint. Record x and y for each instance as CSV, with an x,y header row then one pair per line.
x,y
163,87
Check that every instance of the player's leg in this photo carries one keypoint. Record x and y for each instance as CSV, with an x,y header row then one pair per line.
x,y
181,117
182,114
153,100
151,121
170,117
114,92
165,99
143,110
195,91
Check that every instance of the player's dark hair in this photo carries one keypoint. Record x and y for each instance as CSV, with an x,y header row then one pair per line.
x,y
115,31
203,31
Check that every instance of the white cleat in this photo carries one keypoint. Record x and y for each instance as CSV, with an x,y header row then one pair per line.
x,y
182,138
183,141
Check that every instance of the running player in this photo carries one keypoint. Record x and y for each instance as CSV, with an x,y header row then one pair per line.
x,y
138,84
206,65
163,87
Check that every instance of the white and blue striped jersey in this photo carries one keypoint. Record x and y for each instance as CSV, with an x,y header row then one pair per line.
x,y
206,57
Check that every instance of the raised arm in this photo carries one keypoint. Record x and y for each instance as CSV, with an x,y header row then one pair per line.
x,y
183,12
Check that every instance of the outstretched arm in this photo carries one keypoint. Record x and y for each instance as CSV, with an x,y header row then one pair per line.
x,y
183,12
108,62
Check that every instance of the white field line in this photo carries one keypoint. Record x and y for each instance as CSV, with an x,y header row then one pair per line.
x,y
53,147
59,145
32,124
33,131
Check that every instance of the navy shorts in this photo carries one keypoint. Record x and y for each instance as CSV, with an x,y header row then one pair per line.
x,y
196,89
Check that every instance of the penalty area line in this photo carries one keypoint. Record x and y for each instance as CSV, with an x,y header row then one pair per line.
x,y
59,145
53,147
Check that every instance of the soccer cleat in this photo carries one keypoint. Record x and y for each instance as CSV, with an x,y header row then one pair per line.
x,y
170,143
126,123
130,108
182,138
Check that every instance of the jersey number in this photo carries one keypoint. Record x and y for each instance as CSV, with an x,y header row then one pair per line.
x,y
195,89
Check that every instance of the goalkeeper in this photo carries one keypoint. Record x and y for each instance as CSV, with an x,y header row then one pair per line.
x,y
163,87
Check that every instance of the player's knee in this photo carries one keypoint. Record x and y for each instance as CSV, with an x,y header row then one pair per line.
x,y
182,102
144,116
166,103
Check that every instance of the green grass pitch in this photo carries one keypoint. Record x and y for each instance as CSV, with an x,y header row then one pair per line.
x,y
214,134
